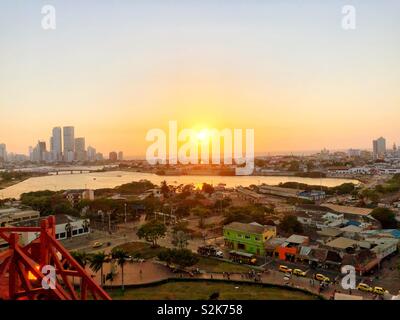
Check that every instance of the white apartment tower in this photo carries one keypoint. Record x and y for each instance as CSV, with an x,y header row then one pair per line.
x,y
379,147
69,143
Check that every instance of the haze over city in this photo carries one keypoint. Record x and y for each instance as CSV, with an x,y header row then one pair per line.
x,y
115,71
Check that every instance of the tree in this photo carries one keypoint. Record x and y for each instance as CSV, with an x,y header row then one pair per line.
x,y
386,217
165,189
180,239
181,257
152,231
207,188
120,257
97,261
290,224
201,213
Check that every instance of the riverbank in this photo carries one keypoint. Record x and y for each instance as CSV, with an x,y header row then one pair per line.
x,y
111,179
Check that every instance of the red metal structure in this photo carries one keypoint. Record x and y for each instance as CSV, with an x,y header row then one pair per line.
x,y
21,268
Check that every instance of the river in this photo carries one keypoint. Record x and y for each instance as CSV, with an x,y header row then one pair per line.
x,y
111,179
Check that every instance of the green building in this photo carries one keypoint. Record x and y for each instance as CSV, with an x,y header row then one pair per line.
x,y
248,237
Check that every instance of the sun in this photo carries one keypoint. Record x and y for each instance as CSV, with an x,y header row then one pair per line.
x,y
202,135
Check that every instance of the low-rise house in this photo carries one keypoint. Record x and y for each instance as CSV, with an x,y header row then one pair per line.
x,y
66,227
248,237
344,245
291,247
76,196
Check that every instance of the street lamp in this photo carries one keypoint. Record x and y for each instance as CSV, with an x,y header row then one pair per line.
x,y
125,212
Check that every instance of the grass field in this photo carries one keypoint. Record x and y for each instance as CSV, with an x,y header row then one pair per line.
x,y
140,249
194,290
214,265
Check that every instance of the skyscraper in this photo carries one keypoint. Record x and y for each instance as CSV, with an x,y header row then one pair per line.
x,y
56,145
69,142
80,150
113,156
379,147
91,153
3,152
120,155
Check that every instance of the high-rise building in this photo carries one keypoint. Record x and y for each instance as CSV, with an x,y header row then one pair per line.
x,y
42,150
69,142
120,156
113,156
379,148
3,152
56,144
91,153
80,150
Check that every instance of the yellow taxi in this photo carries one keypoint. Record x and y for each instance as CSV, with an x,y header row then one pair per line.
x,y
321,277
379,290
364,287
97,244
299,272
285,269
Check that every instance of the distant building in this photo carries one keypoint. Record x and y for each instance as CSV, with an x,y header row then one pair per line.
x,y
66,227
80,149
3,152
69,141
248,237
379,148
56,144
354,152
91,153
76,196
120,156
99,156
113,156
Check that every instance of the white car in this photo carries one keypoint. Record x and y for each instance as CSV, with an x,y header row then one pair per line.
x,y
219,254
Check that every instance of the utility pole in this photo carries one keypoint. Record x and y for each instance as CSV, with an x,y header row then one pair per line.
x,y
125,212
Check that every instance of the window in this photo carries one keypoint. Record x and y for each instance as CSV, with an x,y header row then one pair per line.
x,y
247,236
239,235
80,231
257,238
241,246
74,232
62,235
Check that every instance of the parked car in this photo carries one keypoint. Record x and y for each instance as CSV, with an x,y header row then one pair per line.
x,y
379,290
299,272
364,287
321,277
285,269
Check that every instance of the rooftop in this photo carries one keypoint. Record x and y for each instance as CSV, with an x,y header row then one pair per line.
x,y
348,209
245,227
342,243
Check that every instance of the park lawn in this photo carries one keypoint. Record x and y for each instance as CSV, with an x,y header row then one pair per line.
x,y
215,265
142,249
195,290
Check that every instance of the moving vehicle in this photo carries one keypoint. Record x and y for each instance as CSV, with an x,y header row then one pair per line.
x,y
242,257
299,272
379,290
97,244
210,251
285,269
321,277
364,287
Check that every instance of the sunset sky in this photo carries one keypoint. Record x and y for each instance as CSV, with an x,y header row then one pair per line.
x,y
115,69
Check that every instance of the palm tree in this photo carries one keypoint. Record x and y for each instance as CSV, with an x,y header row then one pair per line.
x,y
97,261
82,258
121,257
